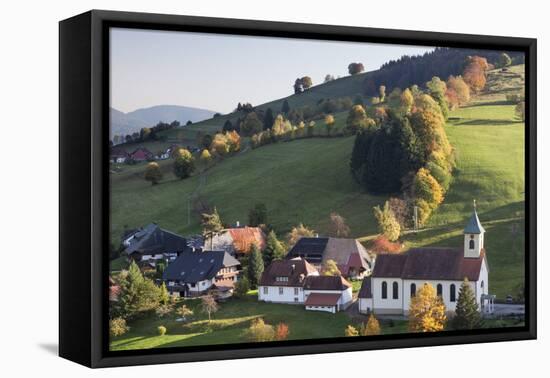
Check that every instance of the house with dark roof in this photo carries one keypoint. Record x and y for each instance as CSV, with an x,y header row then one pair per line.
x,y
236,241
397,277
295,281
195,272
151,243
350,256
118,155
283,281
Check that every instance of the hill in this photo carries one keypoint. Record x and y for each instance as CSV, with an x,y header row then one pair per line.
x,y
128,123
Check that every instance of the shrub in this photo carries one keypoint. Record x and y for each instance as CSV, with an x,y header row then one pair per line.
x,y
260,331
242,286
161,330
118,327
351,331
281,332
382,244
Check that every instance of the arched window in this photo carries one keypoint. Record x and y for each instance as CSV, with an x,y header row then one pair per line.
x,y
472,244
453,293
384,290
413,290
439,290
395,290
482,287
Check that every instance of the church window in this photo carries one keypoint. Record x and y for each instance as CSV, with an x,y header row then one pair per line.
x,y
453,293
384,290
395,290
472,243
413,290
439,290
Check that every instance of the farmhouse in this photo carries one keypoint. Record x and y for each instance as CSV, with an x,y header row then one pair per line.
x,y
295,281
141,154
327,293
152,243
236,241
350,256
396,278
118,155
195,272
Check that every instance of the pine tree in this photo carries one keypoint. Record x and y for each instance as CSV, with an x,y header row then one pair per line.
x,y
467,314
285,108
255,266
274,249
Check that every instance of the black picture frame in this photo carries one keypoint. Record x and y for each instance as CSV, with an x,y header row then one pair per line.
x,y
84,194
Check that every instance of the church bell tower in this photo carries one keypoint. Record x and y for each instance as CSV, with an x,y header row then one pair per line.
x,y
473,236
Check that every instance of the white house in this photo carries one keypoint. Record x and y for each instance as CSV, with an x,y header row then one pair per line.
x,y
397,277
283,281
327,293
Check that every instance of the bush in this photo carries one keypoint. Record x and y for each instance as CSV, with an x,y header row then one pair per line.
x,y
161,330
382,244
260,331
242,286
118,327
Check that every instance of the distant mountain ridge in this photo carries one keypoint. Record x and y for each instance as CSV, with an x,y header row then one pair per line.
x,y
128,123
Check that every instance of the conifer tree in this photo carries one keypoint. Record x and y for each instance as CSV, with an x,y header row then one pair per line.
x,y
164,296
255,266
274,249
467,314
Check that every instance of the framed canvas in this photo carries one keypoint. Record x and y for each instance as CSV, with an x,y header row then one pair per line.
x,y
236,188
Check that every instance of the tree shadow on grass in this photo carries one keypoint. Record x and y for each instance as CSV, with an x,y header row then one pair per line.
x,y
488,122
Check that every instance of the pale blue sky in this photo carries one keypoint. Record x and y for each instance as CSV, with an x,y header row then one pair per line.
x,y
215,72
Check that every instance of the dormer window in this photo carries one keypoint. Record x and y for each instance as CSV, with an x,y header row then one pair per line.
x,y
281,279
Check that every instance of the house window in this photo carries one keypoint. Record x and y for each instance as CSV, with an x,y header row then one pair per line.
x,y
413,290
296,291
439,290
395,290
265,290
472,242
453,293
295,299
281,291
384,290
482,287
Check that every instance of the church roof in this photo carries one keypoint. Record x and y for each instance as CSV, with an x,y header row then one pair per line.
x,y
474,225
429,264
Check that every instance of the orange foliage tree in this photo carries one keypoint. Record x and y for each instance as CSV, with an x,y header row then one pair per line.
x,y
475,73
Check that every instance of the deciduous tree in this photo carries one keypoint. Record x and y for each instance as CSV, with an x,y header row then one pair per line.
x,y
184,163
209,306
371,328
297,233
259,331
153,173
351,331
427,311
211,222
338,227
330,268
329,123
355,68
387,224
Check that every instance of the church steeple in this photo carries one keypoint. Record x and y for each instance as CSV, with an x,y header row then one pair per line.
x,y
473,236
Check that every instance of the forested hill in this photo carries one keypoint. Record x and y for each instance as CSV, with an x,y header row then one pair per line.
x,y
441,62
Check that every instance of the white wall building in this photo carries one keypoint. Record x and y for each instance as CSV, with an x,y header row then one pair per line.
x,y
283,281
397,277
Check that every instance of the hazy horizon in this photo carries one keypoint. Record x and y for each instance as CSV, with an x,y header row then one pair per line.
x,y
150,68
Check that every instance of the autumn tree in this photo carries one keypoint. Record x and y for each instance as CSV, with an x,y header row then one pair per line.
x,y
427,311
117,327
382,93
153,173
211,223
475,73
426,187
274,249
183,311
209,306
357,120
355,68
164,296
371,328
467,314
259,331
306,82
281,332
184,163
338,227
387,224
437,88
457,86
219,145
351,331
330,268
255,266
299,232
205,157
407,101
329,123
257,215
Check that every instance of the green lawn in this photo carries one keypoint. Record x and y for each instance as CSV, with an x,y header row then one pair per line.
x,y
229,325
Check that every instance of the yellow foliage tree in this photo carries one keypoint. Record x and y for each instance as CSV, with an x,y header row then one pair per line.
x,y
372,327
299,232
205,157
329,123
427,311
351,331
330,268
426,187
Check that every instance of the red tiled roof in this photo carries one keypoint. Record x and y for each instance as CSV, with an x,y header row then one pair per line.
x,y
243,238
322,299
429,263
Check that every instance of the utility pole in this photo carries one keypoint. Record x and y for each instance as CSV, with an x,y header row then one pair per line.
x,y
415,219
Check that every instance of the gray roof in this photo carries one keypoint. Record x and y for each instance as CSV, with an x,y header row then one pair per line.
x,y
152,239
474,225
192,267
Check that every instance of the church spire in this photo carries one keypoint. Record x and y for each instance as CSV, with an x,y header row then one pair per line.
x,y
473,235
